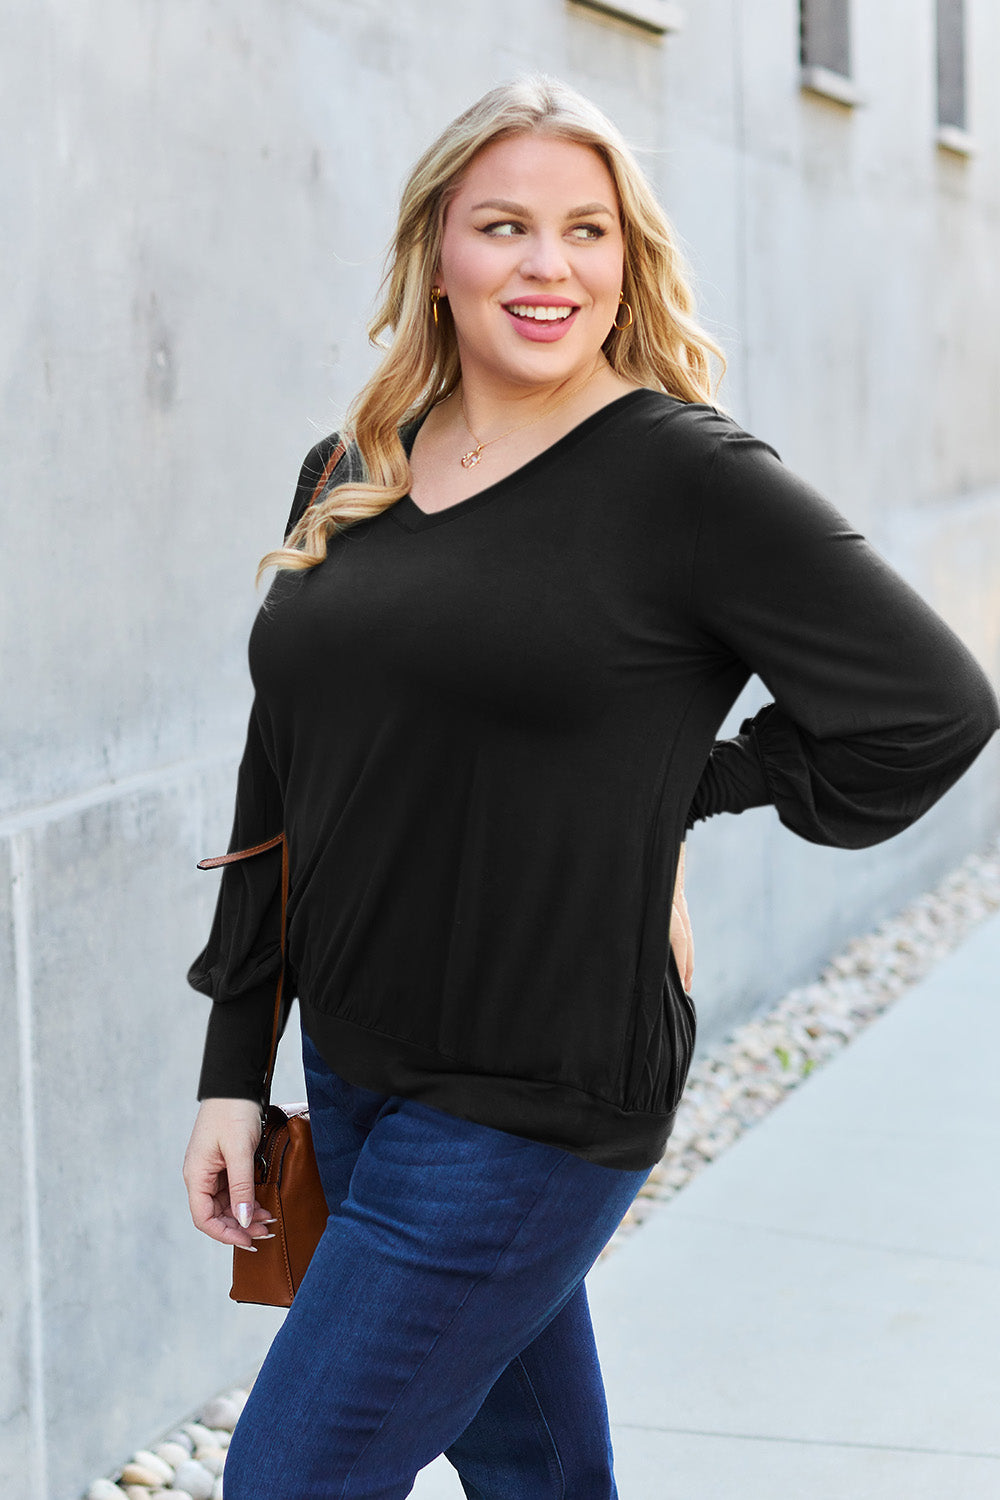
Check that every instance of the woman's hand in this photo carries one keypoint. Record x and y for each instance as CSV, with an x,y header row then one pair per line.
x,y
218,1171
681,936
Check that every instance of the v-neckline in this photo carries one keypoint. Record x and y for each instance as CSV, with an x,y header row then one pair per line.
x,y
409,515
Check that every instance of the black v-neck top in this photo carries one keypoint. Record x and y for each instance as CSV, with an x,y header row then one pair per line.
x,y
486,730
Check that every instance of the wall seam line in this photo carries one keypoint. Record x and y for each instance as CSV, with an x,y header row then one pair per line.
x,y
40,815
21,914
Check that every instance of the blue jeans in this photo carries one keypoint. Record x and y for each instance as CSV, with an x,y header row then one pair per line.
x,y
444,1312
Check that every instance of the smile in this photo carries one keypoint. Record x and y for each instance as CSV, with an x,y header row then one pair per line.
x,y
539,314
541,322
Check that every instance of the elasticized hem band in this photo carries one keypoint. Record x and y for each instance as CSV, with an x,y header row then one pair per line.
x,y
551,1113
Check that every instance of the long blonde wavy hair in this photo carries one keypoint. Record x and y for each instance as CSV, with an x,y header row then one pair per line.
x,y
663,348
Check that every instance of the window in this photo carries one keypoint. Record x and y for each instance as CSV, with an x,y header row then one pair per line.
x,y
825,35
951,64
825,49
656,16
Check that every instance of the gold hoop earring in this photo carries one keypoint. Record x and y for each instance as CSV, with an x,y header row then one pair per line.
x,y
623,304
435,299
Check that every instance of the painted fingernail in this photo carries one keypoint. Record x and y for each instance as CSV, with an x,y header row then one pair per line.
x,y
251,1248
269,1221
244,1213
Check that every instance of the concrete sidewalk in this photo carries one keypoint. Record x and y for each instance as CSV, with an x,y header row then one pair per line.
x,y
818,1313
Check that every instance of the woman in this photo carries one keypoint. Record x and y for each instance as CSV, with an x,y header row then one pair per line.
x,y
489,673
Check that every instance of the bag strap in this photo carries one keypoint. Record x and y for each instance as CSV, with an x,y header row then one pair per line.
x,y
218,860
328,469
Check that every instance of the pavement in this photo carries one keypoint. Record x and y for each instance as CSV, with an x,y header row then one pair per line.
x,y
818,1312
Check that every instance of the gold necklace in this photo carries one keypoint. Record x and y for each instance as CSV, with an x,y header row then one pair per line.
x,y
470,459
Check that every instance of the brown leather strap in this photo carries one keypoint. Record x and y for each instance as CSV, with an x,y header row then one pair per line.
x,y
229,859
328,469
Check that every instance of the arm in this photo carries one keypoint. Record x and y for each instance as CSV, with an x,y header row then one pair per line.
x,y
681,936
238,968
878,706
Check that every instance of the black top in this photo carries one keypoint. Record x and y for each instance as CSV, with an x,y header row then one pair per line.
x,y
486,731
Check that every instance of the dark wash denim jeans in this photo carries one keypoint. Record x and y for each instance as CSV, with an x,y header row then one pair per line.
x,y
444,1312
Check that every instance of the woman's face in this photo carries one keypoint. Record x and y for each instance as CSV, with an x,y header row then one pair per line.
x,y
531,262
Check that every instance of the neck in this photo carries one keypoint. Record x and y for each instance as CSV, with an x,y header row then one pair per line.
x,y
488,408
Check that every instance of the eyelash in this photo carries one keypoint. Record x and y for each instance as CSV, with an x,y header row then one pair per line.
x,y
596,230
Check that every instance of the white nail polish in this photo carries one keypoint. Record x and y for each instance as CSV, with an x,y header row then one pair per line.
x,y
244,1213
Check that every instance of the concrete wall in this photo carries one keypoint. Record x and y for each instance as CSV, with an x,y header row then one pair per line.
x,y
193,215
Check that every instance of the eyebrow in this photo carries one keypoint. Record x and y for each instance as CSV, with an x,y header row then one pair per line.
x,y
505,206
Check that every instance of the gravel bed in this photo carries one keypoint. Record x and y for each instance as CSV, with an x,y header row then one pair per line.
x,y
186,1465
729,1089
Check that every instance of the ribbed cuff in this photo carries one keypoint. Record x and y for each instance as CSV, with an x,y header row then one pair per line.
x,y
733,779
237,1045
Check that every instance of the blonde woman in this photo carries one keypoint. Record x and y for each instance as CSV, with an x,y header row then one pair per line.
x,y
489,674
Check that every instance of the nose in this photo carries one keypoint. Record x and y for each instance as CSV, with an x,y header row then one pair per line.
x,y
544,258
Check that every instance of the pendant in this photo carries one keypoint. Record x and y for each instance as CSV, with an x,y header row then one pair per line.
x,y
470,459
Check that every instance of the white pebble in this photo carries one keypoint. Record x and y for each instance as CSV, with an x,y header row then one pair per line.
x,y
196,1479
220,1413
213,1458
138,1474
172,1453
199,1434
104,1489
155,1464
217,1489
182,1439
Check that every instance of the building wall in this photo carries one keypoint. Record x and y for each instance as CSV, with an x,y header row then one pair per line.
x,y
195,220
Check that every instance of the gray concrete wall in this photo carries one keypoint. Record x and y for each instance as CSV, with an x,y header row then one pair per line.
x,y
193,215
